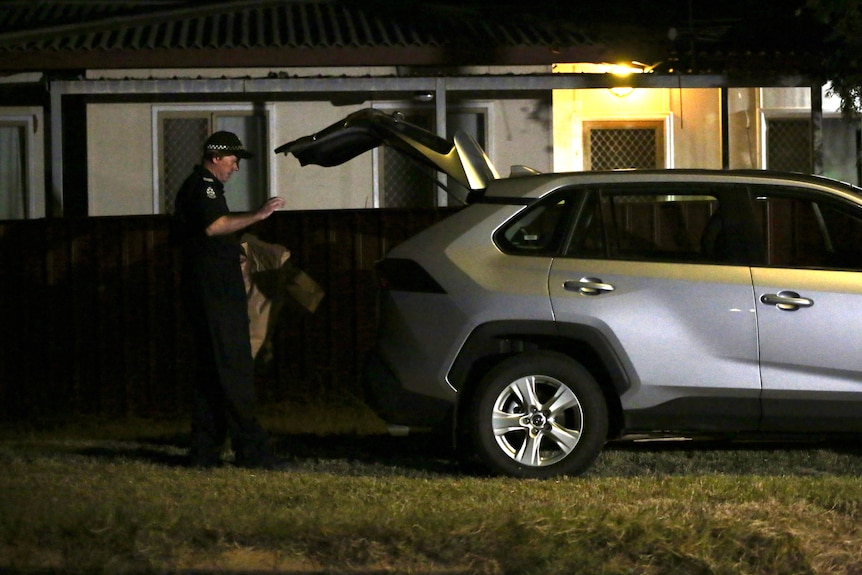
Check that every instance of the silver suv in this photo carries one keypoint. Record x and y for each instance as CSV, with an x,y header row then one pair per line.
x,y
557,311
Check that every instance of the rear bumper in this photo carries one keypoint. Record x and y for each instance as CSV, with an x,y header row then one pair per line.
x,y
398,406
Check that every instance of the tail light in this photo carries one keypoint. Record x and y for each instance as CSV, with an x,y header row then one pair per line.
x,y
398,274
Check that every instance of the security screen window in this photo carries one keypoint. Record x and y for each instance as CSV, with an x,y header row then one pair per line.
x,y
182,139
624,145
405,184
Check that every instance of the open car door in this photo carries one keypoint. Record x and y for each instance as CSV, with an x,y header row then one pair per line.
x,y
462,159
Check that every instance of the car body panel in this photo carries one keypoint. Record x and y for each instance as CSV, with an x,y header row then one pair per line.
x,y
689,330
481,285
701,346
666,286
811,365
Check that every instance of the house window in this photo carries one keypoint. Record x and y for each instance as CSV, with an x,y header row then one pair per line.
x,y
13,171
841,149
623,145
403,183
788,145
181,139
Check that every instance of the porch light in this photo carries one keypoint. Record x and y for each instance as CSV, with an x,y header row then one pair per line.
x,y
621,91
626,70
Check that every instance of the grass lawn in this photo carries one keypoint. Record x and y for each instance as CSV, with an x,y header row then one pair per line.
x,y
116,498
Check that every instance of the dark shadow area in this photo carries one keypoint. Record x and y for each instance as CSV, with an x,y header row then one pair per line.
x,y
428,455
420,454
135,452
349,571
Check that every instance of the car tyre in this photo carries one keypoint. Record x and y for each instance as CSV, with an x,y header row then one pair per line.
x,y
538,414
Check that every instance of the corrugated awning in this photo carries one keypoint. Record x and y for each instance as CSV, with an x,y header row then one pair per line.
x,y
268,33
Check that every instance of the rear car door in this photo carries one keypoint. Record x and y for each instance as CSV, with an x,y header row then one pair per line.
x,y
809,309
646,268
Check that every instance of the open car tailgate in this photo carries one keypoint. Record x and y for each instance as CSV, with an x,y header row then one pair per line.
x,y
463,159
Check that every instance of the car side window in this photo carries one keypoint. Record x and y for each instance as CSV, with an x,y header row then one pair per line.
x,y
540,229
679,225
804,231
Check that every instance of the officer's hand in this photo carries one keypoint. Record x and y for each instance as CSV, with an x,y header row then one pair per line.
x,y
271,205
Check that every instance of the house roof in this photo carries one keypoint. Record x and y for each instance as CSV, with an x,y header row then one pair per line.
x,y
124,34
55,35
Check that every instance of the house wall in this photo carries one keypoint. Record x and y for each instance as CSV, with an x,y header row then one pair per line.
x,y
693,116
349,185
122,153
518,130
521,135
743,133
120,159
692,119
544,133
696,117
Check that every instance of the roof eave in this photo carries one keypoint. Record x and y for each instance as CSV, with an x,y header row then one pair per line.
x,y
296,57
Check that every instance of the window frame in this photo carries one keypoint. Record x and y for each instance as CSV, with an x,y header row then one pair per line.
x,y
581,197
34,202
160,112
662,124
575,198
484,108
816,201
671,194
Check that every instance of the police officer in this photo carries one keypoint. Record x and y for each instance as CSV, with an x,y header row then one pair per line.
x,y
215,300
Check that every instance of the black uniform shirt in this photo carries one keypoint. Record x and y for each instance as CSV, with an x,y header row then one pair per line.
x,y
199,203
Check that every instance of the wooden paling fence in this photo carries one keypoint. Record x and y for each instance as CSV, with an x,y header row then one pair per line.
x,y
91,320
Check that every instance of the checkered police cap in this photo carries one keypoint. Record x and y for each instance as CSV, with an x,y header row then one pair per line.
x,y
226,143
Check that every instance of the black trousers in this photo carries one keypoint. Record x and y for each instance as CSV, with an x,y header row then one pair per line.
x,y
223,393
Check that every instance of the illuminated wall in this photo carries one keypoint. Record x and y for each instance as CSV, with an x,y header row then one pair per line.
x,y
691,118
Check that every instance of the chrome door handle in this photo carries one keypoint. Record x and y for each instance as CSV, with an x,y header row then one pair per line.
x,y
588,286
786,300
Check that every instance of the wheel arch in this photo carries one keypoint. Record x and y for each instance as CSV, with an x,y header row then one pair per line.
x,y
491,343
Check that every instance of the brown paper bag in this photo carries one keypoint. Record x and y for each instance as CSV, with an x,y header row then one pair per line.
x,y
269,277
299,285
260,257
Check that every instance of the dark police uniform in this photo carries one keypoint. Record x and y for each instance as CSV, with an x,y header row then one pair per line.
x,y
215,301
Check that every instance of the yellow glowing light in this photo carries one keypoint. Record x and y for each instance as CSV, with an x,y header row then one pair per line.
x,y
622,91
623,70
